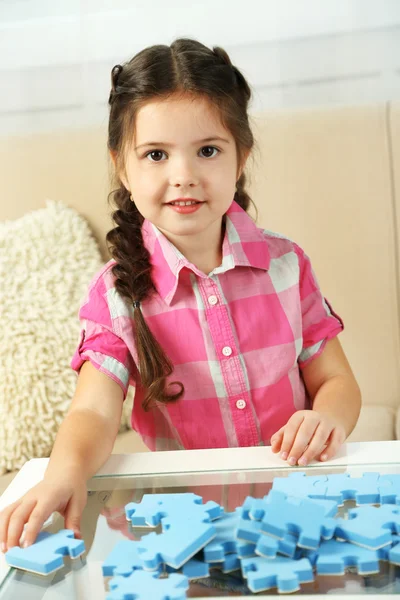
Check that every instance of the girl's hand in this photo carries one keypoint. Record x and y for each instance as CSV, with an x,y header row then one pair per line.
x,y
307,435
66,495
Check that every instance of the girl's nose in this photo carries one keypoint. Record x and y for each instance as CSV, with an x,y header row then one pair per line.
x,y
183,174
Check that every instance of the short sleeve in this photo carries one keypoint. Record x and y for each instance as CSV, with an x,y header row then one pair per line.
x,y
98,342
319,322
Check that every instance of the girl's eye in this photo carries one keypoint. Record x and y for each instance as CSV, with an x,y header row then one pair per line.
x,y
207,151
155,155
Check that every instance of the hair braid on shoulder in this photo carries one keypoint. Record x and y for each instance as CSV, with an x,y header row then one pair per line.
x,y
133,281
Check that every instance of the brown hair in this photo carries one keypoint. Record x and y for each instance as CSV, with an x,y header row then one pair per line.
x,y
186,67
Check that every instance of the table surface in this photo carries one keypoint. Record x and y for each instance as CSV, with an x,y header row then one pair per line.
x,y
226,476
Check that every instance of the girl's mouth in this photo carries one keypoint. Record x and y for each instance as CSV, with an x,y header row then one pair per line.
x,y
185,208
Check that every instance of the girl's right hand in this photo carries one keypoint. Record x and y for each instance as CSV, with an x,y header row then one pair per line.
x,y
66,494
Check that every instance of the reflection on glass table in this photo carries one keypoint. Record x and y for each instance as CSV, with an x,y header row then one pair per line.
x,y
104,524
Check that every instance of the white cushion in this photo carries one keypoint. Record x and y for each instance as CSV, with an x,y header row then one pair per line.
x,y
376,423
48,259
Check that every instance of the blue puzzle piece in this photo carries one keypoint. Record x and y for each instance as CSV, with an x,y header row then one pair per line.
x,y
193,569
257,542
46,554
364,490
123,559
334,557
253,509
301,485
176,545
391,553
245,549
230,563
299,516
154,508
225,540
339,487
394,555
269,547
185,522
142,586
370,526
389,488
248,530
284,573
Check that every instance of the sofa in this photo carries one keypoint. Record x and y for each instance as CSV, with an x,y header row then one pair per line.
x,y
327,178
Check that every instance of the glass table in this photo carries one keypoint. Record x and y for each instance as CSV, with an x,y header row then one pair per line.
x,y
226,476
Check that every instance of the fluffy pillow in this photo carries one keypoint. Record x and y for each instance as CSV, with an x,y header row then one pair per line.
x,y
48,258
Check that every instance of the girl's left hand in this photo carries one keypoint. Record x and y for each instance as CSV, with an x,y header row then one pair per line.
x,y
307,435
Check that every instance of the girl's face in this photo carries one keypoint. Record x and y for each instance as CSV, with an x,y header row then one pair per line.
x,y
181,152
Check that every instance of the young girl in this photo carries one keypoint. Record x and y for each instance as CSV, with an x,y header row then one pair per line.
x,y
219,325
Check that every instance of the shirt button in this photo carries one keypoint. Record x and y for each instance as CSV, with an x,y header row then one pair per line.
x,y
240,404
213,300
227,351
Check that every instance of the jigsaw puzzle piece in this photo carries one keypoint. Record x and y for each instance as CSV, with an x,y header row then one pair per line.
x,y
123,559
389,489
298,516
394,555
142,586
176,545
253,509
301,485
193,569
251,530
391,553
248,530
284,573
269,547
245,549
364,490
370,526
335,556
153,508
46,554
230,563
225,539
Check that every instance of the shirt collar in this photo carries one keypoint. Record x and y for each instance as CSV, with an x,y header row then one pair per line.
x,y
244,245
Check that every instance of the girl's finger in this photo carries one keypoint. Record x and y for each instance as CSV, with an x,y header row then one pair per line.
x,y
5,516
316,445
303,437
276,440
336,439
289,434
17,521
35,523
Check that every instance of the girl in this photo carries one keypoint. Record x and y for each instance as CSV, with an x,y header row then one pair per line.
x,y
220,325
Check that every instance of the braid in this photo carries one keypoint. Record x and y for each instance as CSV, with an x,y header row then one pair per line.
x,y
133,281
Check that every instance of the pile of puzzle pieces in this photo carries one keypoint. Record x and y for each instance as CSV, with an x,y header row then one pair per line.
x,y
281,540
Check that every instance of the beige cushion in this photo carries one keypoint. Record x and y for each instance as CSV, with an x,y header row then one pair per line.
x,y
398,424
51,256
376,423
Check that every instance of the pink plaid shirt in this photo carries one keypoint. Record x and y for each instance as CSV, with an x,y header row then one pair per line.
x,y
237,337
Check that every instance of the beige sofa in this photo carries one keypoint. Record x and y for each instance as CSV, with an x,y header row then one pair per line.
x,y
328,178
